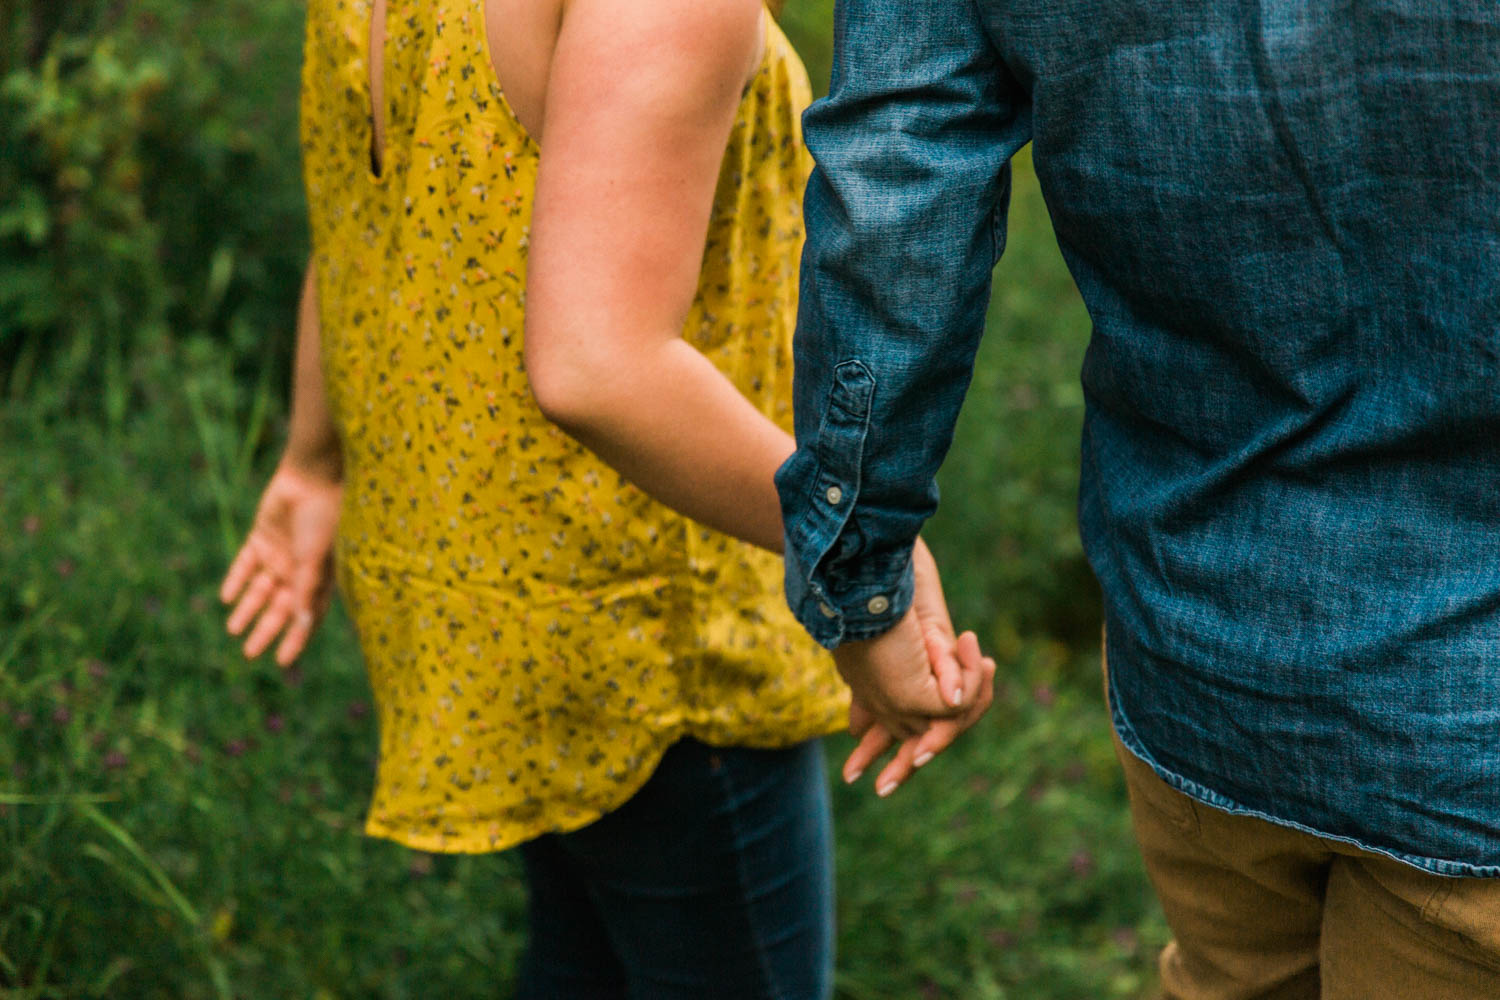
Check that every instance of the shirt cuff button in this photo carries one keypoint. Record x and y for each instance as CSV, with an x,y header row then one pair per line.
x,y
834,495
827,610
879,605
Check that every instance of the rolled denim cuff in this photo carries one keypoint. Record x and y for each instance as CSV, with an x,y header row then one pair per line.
x,y
839,584
863,609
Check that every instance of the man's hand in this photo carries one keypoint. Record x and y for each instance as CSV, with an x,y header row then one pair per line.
x,y
287,563
893,676
875,740
890,668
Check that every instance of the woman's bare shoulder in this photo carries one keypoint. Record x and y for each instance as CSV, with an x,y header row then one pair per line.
x,y
723,35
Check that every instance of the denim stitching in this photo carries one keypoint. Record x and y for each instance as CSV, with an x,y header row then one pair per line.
x,y
1434,904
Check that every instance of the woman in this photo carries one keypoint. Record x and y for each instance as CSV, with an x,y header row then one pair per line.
x,y
561,659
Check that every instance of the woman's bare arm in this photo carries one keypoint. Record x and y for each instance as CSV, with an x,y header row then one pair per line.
x,y
312,440
282,577
640,100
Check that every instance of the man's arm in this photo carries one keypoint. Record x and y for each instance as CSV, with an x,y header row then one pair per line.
x,y
905,218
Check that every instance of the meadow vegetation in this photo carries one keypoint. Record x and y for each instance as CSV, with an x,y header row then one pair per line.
x,y
178,823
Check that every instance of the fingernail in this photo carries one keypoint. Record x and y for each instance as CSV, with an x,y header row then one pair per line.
x,y
957,698
851,777
886,789
922,758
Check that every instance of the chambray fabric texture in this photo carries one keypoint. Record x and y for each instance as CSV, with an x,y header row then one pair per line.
x,y
1284,218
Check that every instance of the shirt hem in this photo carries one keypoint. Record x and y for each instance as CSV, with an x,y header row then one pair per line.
x,y
1132,742
469,842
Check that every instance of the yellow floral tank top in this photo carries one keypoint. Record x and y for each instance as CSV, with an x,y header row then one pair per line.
x,y
537,631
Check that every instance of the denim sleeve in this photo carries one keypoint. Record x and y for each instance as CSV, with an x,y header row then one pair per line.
x,y
905,220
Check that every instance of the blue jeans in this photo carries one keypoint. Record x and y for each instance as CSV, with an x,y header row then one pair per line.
x,y
714,880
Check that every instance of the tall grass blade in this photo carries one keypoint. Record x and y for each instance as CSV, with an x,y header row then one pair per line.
x,y
27,627
25,799
176,900
118,834
214,465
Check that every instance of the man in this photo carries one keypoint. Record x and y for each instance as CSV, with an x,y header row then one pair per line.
x,y
1284,218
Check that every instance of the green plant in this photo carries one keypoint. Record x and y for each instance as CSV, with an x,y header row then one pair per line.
x,y
147,183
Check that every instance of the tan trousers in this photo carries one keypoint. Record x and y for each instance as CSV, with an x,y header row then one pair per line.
x,y
1260,911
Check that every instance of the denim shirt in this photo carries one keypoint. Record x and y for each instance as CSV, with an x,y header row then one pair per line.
x,y
1284,218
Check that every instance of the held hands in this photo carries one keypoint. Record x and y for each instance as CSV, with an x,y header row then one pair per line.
x,y
916,684
287,563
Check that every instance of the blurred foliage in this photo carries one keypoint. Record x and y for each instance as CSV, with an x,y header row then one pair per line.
x,y
809,24
148,183
1006,532
176,823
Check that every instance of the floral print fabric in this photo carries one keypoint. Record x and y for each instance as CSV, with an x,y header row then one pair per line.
x,y
537,631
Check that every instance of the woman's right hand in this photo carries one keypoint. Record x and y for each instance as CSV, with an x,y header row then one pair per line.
x,y
282,577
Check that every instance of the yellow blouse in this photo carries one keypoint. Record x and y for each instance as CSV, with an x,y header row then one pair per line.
x,y
537,630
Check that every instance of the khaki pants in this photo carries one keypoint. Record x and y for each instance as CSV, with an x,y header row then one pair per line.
x,y
1260,911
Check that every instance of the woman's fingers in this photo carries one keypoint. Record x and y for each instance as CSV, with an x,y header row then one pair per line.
x,y
240,572
876,741
958,668
946,667
969,661
276,615
941,734
901,765
987,693
916,752
933,742
254,599
278,607
296,637
968,653
307,577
